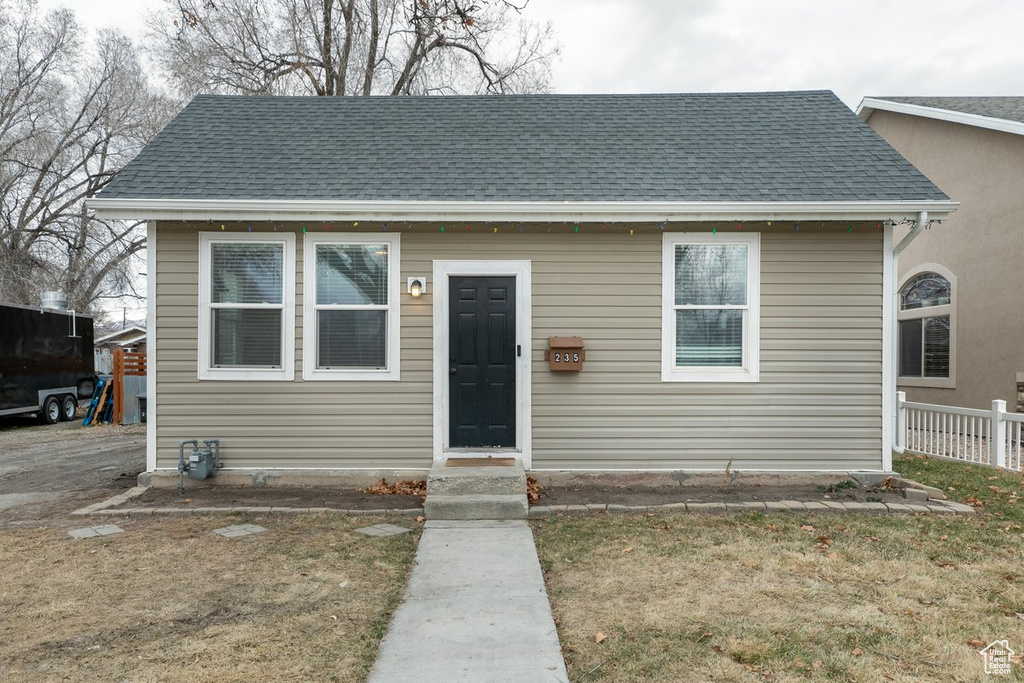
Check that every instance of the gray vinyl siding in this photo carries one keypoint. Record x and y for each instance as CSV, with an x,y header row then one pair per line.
x,y
817,405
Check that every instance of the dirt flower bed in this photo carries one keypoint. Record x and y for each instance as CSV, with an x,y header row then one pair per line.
x,y
635,494
793,596
373,498
308,600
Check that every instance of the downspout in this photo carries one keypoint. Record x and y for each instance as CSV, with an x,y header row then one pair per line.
x,y
922,221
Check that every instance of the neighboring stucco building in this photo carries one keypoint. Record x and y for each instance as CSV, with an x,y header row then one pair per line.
x,y
973,148
725,259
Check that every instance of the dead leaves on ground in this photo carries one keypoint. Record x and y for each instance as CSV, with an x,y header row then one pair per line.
x,y
533,490
401,488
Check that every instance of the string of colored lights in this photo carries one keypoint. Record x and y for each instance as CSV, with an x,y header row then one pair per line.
x,y
576,226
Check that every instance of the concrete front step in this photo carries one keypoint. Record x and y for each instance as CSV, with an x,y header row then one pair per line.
x,y
475,506
449,481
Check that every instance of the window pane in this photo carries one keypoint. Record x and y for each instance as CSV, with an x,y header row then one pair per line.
x,y
708,337
711,275
247,273
247,337
352,274
936,347
351,339
910,348
926,289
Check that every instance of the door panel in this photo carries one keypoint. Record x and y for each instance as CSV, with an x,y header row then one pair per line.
x,y
482,363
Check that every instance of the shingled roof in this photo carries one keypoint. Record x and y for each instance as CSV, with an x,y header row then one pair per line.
x,y
724,147
1006,108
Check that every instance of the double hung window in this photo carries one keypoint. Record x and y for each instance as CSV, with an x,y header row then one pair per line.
x,y
351,316
246,301
710,313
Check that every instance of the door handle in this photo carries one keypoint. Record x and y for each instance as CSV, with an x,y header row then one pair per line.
x,y
452,371
519,350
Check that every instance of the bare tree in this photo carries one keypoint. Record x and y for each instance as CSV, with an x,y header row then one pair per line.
x,y
352,47
70,118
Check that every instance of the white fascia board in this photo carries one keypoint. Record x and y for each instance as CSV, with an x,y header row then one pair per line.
x,y
578,212
870,104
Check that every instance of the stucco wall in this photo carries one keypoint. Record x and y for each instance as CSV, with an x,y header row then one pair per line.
x,y
817,406
982,243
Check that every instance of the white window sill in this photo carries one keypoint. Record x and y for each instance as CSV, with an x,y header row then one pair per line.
x,y
927,382
247,375
351,375
718,375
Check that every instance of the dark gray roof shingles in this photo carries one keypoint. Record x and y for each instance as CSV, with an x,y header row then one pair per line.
x,y
1006,108
787,146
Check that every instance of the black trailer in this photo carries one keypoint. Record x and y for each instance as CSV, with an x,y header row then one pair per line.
x,y
46,362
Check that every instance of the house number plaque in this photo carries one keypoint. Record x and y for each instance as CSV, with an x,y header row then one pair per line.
x,y
565,354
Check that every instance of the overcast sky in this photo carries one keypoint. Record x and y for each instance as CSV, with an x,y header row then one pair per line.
x,y
855,47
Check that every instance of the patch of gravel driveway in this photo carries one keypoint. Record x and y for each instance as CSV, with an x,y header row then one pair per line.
x,y
47,471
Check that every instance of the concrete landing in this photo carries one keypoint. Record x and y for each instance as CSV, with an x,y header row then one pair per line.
x,y
475,610
476,493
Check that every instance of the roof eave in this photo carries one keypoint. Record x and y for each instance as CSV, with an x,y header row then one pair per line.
x,y
514,211
869,104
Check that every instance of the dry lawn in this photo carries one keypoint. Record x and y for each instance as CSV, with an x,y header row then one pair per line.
x,y
168,601
792,597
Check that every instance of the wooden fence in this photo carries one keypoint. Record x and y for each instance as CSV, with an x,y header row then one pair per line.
x,y
127,365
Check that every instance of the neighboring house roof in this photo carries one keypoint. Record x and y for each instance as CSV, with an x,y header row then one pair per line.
x,y
123,337
997,113
704,148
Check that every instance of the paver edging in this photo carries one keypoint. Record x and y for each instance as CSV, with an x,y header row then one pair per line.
x,y
945,507
129,512
109,507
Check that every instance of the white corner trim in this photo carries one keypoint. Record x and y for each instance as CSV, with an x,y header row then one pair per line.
x,y
394,317
151,346
522,272
889,294
750,372
286,372
870,104
532,211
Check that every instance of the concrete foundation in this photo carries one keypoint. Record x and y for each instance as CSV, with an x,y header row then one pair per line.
x,y
635,478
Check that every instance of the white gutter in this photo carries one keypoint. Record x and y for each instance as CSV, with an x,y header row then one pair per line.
x,y
870,104
581,212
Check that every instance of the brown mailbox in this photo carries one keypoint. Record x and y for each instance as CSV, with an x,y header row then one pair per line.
x,y
565,354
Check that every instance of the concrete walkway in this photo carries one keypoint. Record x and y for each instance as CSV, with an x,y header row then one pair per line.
x,y
475,610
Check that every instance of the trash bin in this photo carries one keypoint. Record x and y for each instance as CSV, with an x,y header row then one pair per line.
x,y
142,406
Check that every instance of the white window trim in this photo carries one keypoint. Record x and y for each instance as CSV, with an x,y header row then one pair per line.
x,y
286,372
750,372
929,312
392,356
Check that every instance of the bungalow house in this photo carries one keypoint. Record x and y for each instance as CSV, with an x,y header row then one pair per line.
x,y
960,320
582,282
129,338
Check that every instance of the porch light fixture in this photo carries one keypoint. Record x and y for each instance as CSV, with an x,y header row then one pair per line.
x,y
417,286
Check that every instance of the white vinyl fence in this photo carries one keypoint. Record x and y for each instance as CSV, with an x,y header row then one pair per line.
x,y
984,437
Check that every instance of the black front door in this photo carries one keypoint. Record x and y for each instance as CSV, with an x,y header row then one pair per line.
x,y
482,362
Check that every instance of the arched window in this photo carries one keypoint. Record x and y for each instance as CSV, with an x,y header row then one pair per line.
x,y
925,326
